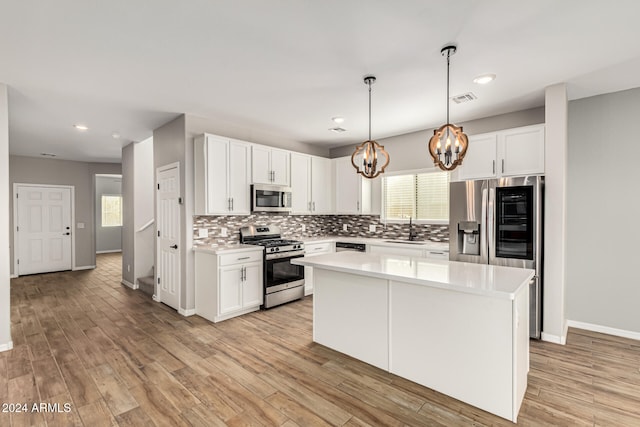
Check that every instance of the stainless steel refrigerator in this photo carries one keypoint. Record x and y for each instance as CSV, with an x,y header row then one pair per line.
x,y
500,222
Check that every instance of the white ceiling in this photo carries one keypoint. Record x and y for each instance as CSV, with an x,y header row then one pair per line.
x,y
285,67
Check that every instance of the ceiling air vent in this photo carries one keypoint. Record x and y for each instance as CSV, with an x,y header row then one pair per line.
x,y
465,97
337,129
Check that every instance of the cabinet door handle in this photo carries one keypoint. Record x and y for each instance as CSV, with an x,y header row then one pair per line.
x,y
358,205
309,205
436,253
314,206
174,246
244,274
244,257
502,165
494,166
229,204
274,175
232,203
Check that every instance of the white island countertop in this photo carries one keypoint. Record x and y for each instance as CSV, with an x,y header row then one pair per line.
x,y
479,279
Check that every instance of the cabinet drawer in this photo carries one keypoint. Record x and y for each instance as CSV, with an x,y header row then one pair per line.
x,y
318,248
240,258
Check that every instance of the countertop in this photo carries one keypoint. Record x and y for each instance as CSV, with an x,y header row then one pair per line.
x,y
480,279
227,249
425,244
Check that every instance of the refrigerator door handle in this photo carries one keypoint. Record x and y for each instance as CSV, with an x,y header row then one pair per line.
x,y
491,238
484,256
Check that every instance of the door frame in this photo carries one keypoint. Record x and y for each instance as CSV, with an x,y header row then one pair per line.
x,y
16,242
157,295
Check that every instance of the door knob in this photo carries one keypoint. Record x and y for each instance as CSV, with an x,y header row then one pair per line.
x,y
174,246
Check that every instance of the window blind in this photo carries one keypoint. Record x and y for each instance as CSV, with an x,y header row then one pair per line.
x,y
422,196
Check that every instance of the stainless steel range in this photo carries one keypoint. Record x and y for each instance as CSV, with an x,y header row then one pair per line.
x,y
283,281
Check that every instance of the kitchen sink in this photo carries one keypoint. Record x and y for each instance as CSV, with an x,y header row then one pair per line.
x,y
406,242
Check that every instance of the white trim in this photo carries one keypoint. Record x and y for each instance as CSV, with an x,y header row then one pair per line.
x,y
84,267
129,284
6,346
155,298
16,242
604,329
109,252
187,312
13,276
553,338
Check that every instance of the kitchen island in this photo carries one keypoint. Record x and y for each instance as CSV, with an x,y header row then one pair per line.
x,y
461,329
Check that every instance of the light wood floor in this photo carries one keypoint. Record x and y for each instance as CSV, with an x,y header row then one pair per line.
x,y
118,358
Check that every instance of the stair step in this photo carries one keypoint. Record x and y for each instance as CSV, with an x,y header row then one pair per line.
x,y
146,284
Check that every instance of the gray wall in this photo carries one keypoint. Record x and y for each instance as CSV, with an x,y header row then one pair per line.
x,y
603,208
108,239
128,212
5,297
409,151
81,175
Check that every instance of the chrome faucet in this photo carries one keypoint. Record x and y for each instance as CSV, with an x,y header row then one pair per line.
x,y
412,233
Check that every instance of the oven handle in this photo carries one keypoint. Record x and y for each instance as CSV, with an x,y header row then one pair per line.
x,y
290,254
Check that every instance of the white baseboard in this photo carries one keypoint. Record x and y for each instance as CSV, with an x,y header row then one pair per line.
x,y
109,252
604,329
129,284
155,298
84,267
553,338
6,346
13,276
187,313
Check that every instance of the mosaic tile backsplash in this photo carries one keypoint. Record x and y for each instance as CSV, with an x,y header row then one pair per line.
x,y
316,225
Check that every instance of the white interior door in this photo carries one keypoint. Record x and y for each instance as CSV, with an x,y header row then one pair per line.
x,y
168,222
43,229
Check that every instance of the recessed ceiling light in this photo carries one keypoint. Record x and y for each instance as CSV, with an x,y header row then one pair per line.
x,y
337,129
81,127
115,135
484,79
338,119
47,154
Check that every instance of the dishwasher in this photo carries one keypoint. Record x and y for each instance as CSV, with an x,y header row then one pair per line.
x,y
346,246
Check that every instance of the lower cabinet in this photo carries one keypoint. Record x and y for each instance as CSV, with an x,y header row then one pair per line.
x,y
311,249
394,250
228,285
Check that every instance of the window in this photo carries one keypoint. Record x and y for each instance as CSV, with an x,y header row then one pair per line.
x,y
422,196
111,211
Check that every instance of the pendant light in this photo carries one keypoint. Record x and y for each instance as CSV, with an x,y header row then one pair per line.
x,y
449,157
370,154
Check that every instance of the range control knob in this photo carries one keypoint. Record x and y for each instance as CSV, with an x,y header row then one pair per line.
x,y
277,249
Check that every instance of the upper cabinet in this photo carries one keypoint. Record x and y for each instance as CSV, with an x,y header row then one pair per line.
x,y
511,152
353,192
311,178
221,167
270,165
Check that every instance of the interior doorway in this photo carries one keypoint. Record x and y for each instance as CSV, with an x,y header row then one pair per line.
x,y
168,220
109,217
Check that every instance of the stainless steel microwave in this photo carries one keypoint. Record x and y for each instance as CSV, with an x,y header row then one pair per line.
x,y
270,198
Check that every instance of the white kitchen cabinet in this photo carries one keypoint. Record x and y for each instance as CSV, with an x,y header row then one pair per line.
x,y
312,249
352,190
432,254
228,285
310,184
510,152
221,176
270,165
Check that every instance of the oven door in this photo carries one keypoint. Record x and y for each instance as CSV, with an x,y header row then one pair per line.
x,y
280,274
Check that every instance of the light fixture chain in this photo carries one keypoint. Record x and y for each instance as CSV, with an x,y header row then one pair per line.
x,y
369,110
448,56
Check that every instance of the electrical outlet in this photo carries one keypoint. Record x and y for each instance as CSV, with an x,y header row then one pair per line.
x,y
223,231
203,233
372,228
304,228
345,227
